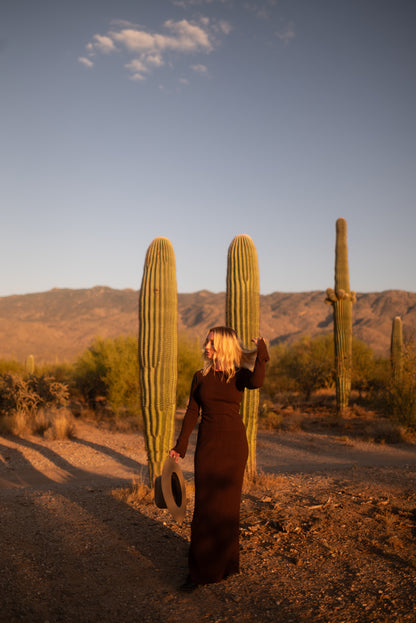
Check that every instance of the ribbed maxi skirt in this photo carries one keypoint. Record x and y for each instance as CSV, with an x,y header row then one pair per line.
x,y
220,460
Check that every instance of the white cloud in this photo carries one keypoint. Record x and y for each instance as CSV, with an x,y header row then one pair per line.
x,y
85,61
103,44
224,26
155,60
137,77
200,69
187,37
136,66
148,50
134,40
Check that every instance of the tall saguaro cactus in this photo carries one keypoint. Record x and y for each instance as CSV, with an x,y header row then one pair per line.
x,y
396,349
158,346
342,299
243,315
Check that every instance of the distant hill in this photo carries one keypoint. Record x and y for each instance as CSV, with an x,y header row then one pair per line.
x,y
59,324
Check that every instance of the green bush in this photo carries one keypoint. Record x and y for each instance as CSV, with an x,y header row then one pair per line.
x,y
308,364
109,371
277,382
269,417
399,394
189,361
61,372
364,366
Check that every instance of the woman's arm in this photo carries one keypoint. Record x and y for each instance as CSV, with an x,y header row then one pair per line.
x,y
256,378
189,421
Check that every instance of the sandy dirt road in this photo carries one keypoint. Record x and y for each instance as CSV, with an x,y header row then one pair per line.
x,y
331,538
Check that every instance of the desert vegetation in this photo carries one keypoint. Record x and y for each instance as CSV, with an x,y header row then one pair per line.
x,y
141,380
34,404
102,385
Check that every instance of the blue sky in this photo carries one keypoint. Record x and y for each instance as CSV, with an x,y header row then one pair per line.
x,y
199,120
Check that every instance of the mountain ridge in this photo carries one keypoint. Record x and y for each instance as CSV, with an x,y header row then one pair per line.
x,y
59,324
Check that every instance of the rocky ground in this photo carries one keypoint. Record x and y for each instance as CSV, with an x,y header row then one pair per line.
x,y
327,534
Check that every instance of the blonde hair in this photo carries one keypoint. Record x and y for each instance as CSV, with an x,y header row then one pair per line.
x,y
229,353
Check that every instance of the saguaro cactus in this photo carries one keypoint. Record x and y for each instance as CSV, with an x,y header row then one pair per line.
x,y
243,315
342,299
158,346
30,364
396,349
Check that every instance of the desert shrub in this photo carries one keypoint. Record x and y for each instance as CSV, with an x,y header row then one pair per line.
x,y
16,395
270,417
11,366
277,382
108,370
399,394
108,373
89,373
309,364
52,424
364,366
189,361
61,372
26,395
59,424
24,402
49,391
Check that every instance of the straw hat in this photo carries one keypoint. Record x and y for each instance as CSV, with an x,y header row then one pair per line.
x,y
170,491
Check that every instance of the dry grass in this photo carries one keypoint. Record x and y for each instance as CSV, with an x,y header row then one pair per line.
x,y
62,425
262,482
319,415
106,419
52,424
139,492
14,424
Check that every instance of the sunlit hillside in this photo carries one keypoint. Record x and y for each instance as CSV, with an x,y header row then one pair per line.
x,y
59,324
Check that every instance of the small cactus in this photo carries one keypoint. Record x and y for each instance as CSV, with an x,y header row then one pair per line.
x,y
158,345
30,365
342,299
396,349
243,315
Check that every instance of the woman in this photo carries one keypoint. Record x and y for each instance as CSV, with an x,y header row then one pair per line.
x,y
221,452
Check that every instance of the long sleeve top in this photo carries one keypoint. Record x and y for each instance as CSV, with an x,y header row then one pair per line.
x,y
218,400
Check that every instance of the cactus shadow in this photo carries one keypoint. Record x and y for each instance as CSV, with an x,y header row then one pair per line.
x,y
157,541
108,451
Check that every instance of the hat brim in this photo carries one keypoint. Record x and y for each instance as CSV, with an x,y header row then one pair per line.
x,y
170,490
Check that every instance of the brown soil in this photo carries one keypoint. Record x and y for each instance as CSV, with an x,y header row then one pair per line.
x,y
330,538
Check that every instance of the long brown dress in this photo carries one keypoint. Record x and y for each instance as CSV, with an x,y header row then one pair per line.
x,y
220,459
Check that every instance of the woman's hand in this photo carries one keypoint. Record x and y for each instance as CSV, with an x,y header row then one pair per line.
x,y
256,340
174,455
